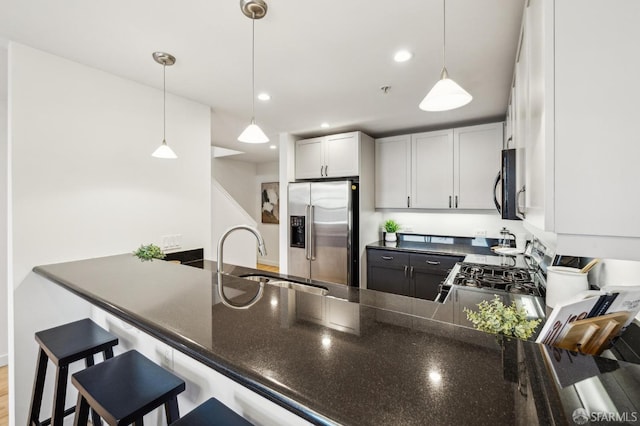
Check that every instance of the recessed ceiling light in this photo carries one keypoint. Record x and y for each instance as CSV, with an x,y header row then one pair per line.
x,y
272,147
402,56
324,125
264,96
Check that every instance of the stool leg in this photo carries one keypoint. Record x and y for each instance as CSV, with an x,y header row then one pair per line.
x,y
95,418
82,412
171,410
38,387
107,353
57,418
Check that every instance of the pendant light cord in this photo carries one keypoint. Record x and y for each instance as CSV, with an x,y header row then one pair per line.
x,y
444,30
164,103
253,67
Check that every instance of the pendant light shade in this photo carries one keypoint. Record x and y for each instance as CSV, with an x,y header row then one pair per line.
x,y
253,134
254,9
163,151
446,94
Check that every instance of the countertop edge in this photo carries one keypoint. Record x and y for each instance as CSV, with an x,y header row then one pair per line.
x,y
181,344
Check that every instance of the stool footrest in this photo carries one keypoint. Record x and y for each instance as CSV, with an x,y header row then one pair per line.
x,y
47,422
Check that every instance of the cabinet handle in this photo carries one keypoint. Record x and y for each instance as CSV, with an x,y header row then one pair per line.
x,y
387,257
449,201
456,201
405,271
432,262
411,272
321,167
326,173
521,191
408,201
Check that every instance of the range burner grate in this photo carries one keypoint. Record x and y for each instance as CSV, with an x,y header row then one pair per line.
x,y
507,279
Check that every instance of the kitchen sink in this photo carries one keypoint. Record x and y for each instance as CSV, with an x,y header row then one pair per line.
x,y
320,291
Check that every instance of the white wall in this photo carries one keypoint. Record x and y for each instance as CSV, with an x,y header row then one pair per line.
x,y
4,337
242,181
84,185
459,224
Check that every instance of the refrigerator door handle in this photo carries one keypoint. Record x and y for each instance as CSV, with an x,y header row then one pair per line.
x,y
312,233
308,233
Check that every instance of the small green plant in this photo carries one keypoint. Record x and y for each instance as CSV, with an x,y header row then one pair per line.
x,y
391,226
149,252
496,318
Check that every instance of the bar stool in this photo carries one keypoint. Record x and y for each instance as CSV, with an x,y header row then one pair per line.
x,y
125,388
63,345
212,412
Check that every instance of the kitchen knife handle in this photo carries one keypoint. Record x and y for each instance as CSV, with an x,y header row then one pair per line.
x,y
456,201
432,262
387,257
449,201
308,232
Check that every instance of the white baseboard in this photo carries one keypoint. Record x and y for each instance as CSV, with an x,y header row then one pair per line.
x,y
268,262
4,360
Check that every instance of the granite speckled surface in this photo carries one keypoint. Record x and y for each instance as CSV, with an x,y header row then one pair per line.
x,y
366,358
453,246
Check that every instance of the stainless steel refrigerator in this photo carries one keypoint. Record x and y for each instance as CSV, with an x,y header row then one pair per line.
x,y
323,231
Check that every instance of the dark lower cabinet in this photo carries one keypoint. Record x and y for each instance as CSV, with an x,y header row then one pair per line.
x,y
408,274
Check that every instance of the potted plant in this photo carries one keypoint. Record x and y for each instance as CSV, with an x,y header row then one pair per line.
x,y
149,252
391,227
496,318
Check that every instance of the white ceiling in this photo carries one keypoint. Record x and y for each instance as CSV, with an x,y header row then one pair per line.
x,y
320,60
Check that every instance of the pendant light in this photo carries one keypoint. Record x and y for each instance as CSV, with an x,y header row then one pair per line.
x,y
254,9
163,151
446,94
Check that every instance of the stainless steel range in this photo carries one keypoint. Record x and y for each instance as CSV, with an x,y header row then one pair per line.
x,y
500,278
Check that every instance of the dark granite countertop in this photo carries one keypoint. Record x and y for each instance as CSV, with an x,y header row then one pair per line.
x,y
444,245
358,358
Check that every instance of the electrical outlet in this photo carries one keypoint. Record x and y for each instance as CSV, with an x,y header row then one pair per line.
x,y
171,242
480,233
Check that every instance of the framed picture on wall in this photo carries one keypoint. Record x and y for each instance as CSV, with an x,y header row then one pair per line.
x,y
270,202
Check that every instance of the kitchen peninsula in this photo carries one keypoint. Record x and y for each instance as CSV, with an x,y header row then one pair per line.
x,y
350,357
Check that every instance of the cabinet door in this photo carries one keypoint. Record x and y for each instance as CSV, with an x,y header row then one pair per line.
x,y
309,158
432,170
428,272
341,154
477,162
388,271
393,172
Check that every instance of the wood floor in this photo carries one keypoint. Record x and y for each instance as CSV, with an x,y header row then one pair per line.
x,y
268,268
4,396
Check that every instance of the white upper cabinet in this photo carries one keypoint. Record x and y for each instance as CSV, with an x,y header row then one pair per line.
x,y
393,174
476,165
328,156
432,170
310,158
445,169
576,91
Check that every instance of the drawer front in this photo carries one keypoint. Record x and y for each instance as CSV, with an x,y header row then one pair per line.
x,y
434,261
388,257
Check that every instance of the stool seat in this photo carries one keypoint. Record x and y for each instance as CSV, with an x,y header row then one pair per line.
x,y
123,389
64,345
74,341
212,412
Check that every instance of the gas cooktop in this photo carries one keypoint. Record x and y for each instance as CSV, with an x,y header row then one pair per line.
x,y
502,278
